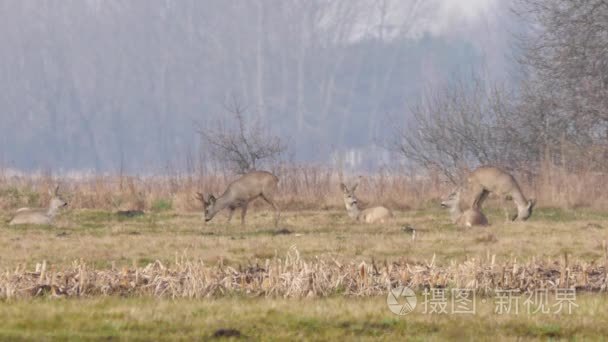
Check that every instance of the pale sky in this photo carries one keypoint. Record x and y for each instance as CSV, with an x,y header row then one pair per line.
x,y
419,17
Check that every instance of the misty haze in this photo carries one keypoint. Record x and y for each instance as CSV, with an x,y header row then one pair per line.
x,y
108,85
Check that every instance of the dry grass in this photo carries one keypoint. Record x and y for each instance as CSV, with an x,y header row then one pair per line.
x,y
101,238
293,276
317,253
301,187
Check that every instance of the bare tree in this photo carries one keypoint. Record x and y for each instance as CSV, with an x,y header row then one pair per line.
x,y
458,126
565,58
558,114
242,145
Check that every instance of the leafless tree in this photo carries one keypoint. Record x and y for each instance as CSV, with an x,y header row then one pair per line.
x,y
559,111
242,145
565,59
460,125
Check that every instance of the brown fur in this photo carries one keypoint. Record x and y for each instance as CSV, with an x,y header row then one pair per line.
x,y
460,216
39,215
239,193
490,179
377,214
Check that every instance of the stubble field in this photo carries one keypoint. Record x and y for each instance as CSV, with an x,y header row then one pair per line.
x,y
318,276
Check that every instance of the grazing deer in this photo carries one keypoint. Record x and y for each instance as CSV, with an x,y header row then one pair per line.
x,y
468,218
240,192
490,179
370,215
40,216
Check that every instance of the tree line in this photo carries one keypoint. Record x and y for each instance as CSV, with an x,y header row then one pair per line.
x,y
556,113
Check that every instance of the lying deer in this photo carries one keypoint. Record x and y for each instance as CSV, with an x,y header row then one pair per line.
x,y
467,218
377,214
40,216
239,193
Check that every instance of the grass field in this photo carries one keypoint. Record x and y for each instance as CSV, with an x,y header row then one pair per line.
x,y
104,241
100,238
280,319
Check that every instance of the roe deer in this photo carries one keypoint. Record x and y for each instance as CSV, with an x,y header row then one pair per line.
x,y
491,179
370,215
40,216
240,192
467,218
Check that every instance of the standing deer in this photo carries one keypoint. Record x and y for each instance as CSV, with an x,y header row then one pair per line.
x,y
240,192
377,214
490,179
40,216
467,218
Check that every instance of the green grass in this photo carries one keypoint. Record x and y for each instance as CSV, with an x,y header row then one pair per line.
x,y
161,204
277,319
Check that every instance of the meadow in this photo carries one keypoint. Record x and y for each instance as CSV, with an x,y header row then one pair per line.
x,y
319,275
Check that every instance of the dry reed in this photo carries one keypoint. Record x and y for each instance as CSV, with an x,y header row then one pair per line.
x,y
294,277
301,187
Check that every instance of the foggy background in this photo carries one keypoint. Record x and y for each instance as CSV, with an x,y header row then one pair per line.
x,y
107,85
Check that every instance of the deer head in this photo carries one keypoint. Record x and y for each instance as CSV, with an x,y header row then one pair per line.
x,y
208,206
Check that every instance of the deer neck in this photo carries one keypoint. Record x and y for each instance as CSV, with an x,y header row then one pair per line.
x,y
221,202
455,213
353,211
52,212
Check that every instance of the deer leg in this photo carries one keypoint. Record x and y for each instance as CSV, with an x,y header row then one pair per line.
x,y
230,213
243,213
478,195
277,212
482,198
505,207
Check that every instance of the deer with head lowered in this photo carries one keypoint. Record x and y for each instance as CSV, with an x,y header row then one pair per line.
x,y
239,193
467,218
377,214
490,179
40,216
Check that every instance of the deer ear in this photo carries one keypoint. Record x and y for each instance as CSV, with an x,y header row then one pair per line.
x,y
199,196
211,199
343,187
57,189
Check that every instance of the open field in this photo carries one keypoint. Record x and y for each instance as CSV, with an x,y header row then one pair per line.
x,y
101,239
101,242
286,319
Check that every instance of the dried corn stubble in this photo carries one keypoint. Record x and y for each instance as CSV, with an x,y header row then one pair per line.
x,y
294,277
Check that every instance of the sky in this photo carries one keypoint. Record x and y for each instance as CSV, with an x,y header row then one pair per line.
x,y
436,17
